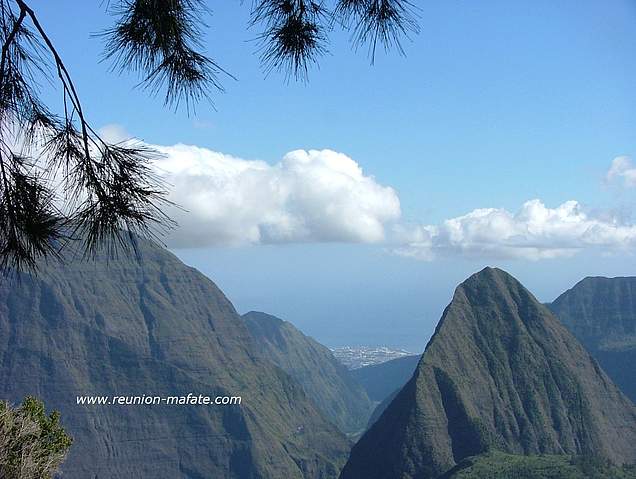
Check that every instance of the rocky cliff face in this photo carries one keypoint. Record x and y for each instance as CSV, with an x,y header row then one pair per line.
x,y
156,327
327,382
500,372
601,313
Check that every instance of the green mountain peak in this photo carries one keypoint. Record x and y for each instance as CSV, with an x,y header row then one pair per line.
x,y
500,372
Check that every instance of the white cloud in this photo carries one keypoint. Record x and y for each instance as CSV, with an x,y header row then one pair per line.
x,y
324,196
534,232
622,168
309,196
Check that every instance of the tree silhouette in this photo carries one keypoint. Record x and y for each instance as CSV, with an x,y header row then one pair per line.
x,y
60,180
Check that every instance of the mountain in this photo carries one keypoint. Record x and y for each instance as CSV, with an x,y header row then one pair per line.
x,y
383,381
324,379
500,372
601,313
380,380
156,327
497,465
381,407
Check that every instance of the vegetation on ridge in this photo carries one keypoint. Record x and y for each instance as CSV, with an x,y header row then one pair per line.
x,y
499,465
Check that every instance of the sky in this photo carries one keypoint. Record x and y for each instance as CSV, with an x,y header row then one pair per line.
x,y
353,204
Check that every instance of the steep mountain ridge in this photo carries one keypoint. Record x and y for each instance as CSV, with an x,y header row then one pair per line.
x,y
601,313
500,372
329,384
156,327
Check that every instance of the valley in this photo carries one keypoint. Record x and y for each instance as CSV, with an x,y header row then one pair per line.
x,y
501,373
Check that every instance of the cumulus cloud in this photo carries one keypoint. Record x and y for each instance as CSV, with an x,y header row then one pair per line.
x,y
534,232
324,196
622,168
309,196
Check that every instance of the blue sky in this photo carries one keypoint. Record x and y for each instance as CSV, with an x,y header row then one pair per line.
x,y
496,103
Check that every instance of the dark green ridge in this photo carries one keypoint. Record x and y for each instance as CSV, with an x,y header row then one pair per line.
x,y
500,372
498,465
327,382
156,327
601,313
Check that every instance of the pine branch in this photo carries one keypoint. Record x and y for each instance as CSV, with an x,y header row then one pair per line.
x,y
159,39
110,192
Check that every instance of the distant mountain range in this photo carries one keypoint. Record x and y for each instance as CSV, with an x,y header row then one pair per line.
x,y
156,327
381,380
500,372
601,313
327,382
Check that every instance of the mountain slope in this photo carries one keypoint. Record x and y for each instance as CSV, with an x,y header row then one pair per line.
x,y
155,327
381,380
497,465
324,379
601,313
499,372
381,407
